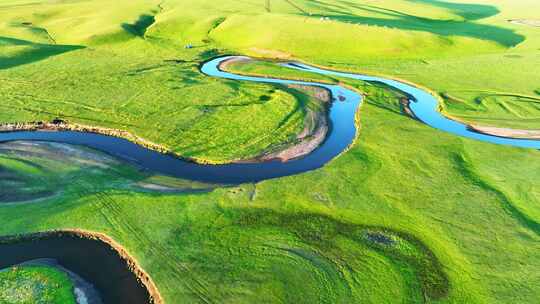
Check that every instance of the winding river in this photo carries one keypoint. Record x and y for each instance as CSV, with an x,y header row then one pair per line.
x,y
342,132
118,284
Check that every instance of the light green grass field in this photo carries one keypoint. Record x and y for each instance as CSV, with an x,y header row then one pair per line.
x,y
408,215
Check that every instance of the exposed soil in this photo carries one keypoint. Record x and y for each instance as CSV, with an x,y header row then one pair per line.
x,y
317,92
315,122
506,132
494,131
308,141
405,107
529,22
225,64
314,133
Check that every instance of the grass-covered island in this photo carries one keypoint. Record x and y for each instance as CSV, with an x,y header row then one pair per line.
x,y
35,284
406,214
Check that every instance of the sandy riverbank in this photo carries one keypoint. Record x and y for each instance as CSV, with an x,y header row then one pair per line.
x,y
314,132
506,132
529,22
315,122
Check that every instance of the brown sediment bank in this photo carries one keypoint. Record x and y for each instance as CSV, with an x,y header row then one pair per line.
x,y
154,297
529,22
66,126
487,130
314,132
506,132
405,103
316,123
308,140
315,140
225,64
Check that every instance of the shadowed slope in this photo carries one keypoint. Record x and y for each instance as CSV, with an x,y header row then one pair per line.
x,y
396,19
469,11
140,26
15,52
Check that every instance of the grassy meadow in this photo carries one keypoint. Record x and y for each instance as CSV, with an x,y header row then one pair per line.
x,y
408,215
35,284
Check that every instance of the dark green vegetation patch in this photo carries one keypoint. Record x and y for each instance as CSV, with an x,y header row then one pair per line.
x,y
323,234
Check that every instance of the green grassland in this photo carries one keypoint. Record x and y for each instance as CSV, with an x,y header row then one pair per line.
x,y
408,215
35,284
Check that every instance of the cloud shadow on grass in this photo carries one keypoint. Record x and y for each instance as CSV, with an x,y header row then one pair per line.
x,y
404,21
140,26
469,11
28,52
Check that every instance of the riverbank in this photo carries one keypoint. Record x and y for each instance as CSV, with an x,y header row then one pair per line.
x,y
61,125
506,132
308,141
316,128
131,265
529,22
316,125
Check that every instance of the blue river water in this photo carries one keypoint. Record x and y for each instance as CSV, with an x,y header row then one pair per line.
x,y
341,134
425,108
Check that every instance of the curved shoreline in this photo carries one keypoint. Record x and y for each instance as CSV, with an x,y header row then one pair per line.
x,y
343,133
343,123
143,279
425,105
76,127
506,132
405,103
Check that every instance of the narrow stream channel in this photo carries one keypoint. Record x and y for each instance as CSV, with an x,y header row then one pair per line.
x,y
425,108
341,135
